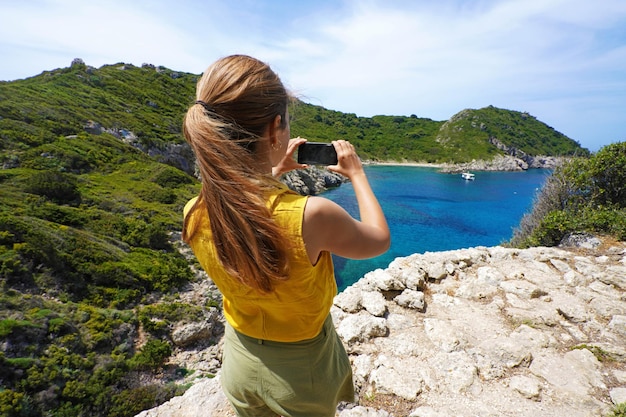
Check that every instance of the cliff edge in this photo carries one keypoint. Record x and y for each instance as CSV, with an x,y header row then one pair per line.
x,y
481,331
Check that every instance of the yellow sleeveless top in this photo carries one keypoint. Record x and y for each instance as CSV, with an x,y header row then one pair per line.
x,y
297,307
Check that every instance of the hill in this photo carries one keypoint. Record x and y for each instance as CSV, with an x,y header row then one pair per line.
x,y
145,106
470,134
94,177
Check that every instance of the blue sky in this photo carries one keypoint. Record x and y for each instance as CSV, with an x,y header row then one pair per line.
x,y
563,61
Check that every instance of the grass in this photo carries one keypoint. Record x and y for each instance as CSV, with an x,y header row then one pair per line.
x,y
600,354
618,411
393,404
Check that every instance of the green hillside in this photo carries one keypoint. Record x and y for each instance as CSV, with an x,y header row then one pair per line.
x,y
147,101
93,181
469,132
85,257
465,137
377,138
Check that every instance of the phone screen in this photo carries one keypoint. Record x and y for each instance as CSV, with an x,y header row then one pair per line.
x,y
317,153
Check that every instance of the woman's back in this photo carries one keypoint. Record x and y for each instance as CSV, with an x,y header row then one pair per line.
x,y
296,308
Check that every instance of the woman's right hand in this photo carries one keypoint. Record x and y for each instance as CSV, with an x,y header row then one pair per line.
x,y
348,162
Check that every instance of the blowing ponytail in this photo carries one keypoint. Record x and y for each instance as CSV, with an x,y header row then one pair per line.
x,y
237,98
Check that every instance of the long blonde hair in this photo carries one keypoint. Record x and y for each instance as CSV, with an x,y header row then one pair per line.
x,y
237,99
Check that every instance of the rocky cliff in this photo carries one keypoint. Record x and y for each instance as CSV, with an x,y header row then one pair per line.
x,y
505,163
313,180
513,160
481,331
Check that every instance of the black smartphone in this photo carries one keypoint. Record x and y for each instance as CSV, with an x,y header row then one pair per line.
x,y
317,153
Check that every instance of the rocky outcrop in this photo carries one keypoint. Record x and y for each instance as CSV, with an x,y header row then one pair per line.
x,y
178,155
502,332
312,180
481,331
504,163
513,160
539,161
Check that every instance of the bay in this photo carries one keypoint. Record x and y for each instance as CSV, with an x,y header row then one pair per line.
x,y
432,211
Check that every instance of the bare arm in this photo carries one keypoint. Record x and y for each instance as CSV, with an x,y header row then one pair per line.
x,y
328,227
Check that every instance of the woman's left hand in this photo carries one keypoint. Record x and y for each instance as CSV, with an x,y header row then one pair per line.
x,y
288,163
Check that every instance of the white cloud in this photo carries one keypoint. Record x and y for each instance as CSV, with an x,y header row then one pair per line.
x,y
557,59
100,32
435,59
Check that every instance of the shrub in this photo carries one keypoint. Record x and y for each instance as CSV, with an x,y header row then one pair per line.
x,y
7,326
12,269
161,195
157,317
607,174
69,216
57,186
618,411
170,177
147,235
152,355
582,195
132,401
12,403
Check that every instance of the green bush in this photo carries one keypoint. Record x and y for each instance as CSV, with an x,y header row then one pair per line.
x,y
12,269
618,411
8,326
152,355
582,195
57,186
146,235
131,402
169,177
160,195
158,317
606,174
608,220
12,403
66,215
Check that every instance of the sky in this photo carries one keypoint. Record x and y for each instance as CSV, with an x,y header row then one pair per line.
x,y
562,61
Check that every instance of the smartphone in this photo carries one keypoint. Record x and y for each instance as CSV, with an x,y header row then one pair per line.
x,y
317,153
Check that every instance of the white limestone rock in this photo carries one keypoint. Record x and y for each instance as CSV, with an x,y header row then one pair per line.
x,y
349,300
374,303
618,395
411,299
618,324
528,387
502,332
361,327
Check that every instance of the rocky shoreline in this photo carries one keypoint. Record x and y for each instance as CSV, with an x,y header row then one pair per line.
x,y
315,180
481,331
505,163
498,163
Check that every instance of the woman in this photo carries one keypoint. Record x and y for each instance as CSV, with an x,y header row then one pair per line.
x,y
269,249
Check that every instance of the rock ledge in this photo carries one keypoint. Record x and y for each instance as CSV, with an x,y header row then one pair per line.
x,y
480,331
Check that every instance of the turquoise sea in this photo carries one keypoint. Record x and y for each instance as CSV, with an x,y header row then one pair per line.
x,y
431,211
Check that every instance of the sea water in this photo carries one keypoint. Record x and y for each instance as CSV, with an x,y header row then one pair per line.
x,y
431,211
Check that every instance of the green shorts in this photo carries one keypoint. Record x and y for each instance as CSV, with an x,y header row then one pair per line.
x,y
300,379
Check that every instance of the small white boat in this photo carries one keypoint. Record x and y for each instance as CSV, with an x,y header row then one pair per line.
x,y
468,176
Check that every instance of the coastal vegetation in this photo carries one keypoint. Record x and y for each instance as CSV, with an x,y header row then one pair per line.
x,y
583,195
93,181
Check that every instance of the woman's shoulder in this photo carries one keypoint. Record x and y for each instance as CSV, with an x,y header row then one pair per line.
x,y
322,207
189,205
